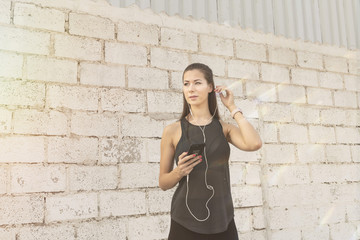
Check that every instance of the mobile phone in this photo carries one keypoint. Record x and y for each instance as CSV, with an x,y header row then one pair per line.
x,y
197,149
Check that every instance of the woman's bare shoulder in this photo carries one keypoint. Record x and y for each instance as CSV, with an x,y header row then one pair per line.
x,y
172,128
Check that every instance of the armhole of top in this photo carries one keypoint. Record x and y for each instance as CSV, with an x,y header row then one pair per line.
x,y
222,131
181,135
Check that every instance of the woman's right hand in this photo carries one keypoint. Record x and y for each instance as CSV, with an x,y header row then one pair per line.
x,y
187,163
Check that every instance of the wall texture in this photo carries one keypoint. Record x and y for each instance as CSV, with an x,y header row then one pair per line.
x,y
86,90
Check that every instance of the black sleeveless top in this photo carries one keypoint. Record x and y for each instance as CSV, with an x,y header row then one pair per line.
x,y
221,205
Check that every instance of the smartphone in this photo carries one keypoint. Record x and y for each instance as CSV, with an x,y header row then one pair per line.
x,y
197,149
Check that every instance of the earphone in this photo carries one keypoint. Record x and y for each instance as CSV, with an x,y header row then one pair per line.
x,y
205,179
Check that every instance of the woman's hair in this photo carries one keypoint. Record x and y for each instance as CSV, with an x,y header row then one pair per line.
x,y
210,80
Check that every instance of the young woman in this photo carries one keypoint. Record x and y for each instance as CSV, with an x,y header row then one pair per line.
x,y
201,206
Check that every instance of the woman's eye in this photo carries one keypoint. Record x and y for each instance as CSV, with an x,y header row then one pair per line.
x,y
185,84
198,83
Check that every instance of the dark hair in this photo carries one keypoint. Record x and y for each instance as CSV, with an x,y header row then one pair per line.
x,y
208,74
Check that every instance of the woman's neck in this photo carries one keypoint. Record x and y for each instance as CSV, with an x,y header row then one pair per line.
x,y
200,115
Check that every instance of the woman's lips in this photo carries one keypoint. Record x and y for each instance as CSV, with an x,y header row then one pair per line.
x,y
193,97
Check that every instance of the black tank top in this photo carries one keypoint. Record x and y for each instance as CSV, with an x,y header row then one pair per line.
x,y
221,205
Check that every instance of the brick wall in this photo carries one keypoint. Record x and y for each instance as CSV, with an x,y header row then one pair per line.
x,y
86,90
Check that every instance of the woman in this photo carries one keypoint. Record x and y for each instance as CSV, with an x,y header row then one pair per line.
x,y
202,206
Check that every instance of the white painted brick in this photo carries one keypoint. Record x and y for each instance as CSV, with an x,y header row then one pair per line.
x,y
105,229
102,75
309,153
216,45
147,175
129,150
335,173
238,155
319,96
253,235
355,152
293,133
291,93
237,174
93,124
137,32
321,134
347,135
284,234
250,51
258,218
352,83
32,149
338,153
77,47
342,231
305,114
304,77
36,122
168,102
22,93
159,196
167,59
45,18
3,180
91,26
179,39
153,150
149,127
253,174
274,151
315,233
242,69
92,177
176,81
330,80
217,64
5,121
147,78
345,193
310,60
334,213
122,203
125,54
51,70
264,92
287,175
353,212
354,66
55,232
247,196
78,98
273,73
298,195
35,178
275,112
294,217
282,56
270,133
243,220
71,207
352,117
11,65
12,39
149,227
333,116
72,150
123,100
335,64
345,99
21,209
5,11
8,233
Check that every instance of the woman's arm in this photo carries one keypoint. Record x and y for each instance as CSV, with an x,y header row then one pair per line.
x,y
242,136
169,177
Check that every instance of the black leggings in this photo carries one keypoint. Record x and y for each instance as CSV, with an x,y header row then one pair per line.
x,y
178,232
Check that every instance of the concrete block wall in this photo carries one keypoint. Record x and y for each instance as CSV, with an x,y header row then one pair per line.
x,y
86,90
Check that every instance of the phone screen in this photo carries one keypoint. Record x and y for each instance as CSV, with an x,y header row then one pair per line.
x,y
197,149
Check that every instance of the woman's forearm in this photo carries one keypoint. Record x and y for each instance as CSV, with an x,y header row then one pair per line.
x,y
169,180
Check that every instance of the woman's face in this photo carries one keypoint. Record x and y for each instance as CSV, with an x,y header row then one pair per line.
x,y
195,87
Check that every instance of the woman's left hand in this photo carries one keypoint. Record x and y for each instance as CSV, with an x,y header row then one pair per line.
x,y
227,100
